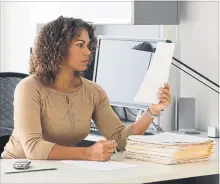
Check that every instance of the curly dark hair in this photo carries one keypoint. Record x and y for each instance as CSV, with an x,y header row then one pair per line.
x,y
51,46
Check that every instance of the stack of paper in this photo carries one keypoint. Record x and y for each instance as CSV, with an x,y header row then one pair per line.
x,y
169,148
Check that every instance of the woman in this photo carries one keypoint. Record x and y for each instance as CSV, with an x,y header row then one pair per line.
x,y
53,107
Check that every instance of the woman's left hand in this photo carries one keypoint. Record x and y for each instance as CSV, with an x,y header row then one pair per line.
x,y
164,95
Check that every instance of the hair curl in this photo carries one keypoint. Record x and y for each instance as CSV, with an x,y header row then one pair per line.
x,y
51,46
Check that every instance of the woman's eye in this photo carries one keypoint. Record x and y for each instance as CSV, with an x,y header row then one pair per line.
x,y
80,45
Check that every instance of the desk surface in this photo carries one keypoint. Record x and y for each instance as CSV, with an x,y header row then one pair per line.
x,y
146,172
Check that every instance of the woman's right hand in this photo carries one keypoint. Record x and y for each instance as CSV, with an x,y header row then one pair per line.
x,y
102,150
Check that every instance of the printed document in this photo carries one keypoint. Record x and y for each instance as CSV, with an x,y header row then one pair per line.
x,y
157,74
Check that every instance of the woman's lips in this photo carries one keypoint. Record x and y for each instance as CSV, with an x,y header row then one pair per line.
x,y
86,62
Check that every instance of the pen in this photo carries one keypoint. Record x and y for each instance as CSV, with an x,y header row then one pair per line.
x,y
34,170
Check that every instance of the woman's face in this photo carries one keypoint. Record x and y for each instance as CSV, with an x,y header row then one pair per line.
x,y
78,53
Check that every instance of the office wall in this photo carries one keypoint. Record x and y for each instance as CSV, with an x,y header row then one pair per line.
x,y
199,36
171,32
17,33
144,31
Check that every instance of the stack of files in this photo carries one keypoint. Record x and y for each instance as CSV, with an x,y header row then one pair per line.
x,y
169,148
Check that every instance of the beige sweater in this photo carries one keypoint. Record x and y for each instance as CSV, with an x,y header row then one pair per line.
x,y
44,117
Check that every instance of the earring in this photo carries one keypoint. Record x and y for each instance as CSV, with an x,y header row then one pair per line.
x,y
60,66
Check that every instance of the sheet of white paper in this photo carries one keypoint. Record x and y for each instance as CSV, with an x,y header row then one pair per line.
x,y
98,166
170,138
156,75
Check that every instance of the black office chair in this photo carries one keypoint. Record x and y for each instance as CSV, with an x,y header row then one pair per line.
x,y
8,82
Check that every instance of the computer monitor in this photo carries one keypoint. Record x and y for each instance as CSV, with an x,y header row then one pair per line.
x,y
120,70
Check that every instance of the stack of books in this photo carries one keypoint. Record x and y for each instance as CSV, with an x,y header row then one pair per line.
x,y
169,148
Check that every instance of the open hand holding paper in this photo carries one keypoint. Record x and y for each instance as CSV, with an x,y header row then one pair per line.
x,y
164,96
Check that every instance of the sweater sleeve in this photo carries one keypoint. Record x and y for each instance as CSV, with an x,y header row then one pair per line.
x,y
108,122
27,109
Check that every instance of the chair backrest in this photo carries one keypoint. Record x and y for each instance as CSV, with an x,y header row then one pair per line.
x,y
8,82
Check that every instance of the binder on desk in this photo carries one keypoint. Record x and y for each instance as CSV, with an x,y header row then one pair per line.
x,y
169,148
